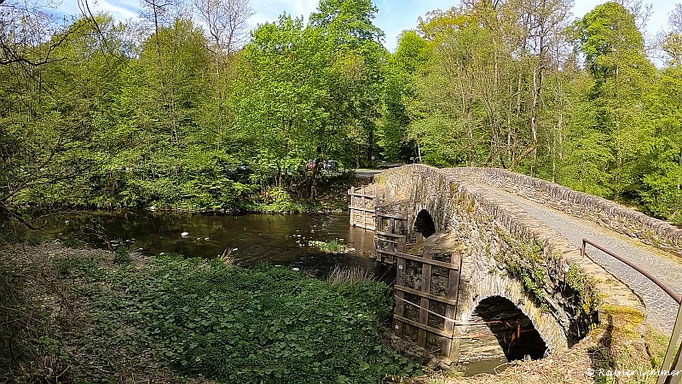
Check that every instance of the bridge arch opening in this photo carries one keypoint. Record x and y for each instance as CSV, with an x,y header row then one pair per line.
x,y
424,224
513,330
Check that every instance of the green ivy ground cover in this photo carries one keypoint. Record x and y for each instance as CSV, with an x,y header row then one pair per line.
x,y
231,324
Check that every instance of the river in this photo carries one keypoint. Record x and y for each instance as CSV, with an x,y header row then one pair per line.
x,y
252,238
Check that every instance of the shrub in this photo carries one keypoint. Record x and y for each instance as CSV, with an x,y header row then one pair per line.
x,y
121,256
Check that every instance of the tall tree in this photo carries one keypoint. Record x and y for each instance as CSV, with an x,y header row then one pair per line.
x,y
543,23
358,59
399,87
158,114
672,41
615,56
56,91
226,22
280,98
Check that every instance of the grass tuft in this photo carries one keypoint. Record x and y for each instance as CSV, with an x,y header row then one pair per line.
x,y
345,275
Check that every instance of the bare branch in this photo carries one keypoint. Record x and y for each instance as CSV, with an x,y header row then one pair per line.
x,y
226,21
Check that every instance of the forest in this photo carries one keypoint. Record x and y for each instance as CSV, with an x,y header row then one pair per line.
x,y
187,107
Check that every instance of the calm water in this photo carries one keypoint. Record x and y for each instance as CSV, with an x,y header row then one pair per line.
x,y
254,238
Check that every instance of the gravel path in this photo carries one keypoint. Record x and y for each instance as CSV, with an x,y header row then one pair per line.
x,y
661,308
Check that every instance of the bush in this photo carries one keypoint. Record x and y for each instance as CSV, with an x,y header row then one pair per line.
x,y
278,200
121,256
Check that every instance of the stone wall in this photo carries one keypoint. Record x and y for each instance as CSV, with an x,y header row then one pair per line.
x,y
582,205
509,254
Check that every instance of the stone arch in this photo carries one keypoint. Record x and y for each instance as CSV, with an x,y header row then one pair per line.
x,y
513,330
424,224
481,287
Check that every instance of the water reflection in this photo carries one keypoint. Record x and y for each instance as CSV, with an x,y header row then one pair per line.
x,y
254,238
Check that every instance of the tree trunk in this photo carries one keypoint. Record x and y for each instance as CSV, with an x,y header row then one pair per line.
x,y
313,184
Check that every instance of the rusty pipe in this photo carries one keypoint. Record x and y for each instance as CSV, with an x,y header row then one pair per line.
x,y
646,274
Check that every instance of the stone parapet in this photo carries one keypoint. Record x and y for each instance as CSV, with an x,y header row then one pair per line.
x,y
604,212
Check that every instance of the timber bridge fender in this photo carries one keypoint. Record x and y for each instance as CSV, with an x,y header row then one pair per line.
x,y
508,259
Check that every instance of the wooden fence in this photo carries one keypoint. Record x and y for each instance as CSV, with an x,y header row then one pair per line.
x,y
426,284
390,236
426,299
362,203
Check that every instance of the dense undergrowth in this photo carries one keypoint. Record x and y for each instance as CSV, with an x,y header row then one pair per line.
x,y
330,197
101,317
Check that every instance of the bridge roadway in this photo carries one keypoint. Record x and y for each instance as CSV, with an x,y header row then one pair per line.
x,y
661,308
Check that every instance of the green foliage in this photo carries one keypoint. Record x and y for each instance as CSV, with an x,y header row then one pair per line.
x,y
278,200
672,45
280,98
615,56
332,246
660,161
121,255
579,283
530,268
232,324
166,121
399,88
610,128
587,155
118,120
606,34
458,116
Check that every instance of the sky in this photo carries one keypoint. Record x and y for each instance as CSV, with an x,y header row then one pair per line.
x,y
394,15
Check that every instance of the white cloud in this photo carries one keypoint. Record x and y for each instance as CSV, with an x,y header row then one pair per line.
x,y
271,9
119,9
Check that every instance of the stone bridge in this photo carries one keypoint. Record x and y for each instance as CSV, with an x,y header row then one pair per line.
x,y
524,288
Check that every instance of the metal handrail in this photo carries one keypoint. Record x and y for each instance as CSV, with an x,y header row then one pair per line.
x,y
668,363
653,279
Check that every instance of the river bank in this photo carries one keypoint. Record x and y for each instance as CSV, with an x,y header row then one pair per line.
x,y
330,197
92,315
